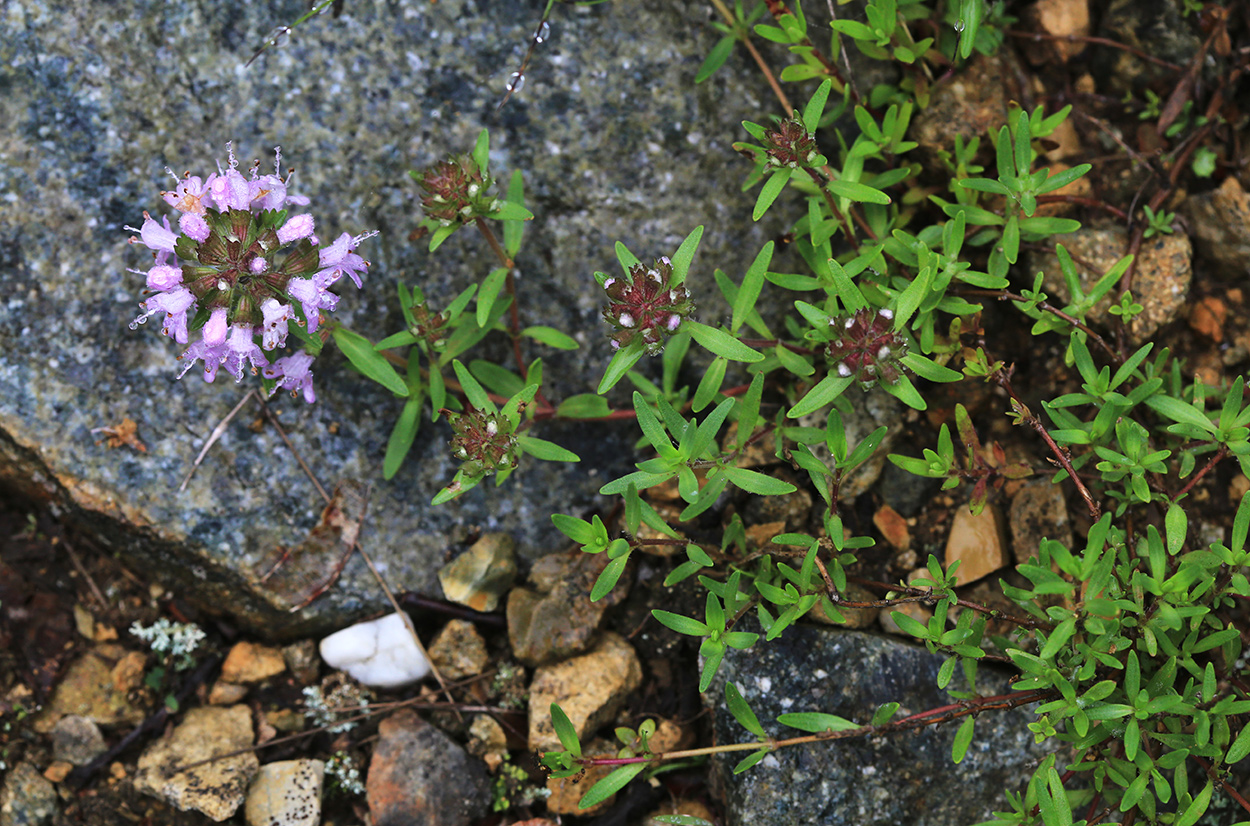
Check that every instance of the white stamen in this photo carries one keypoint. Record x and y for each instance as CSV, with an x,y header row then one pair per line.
x,y
886,314
843,370
850,322
626,320
491,428
884,352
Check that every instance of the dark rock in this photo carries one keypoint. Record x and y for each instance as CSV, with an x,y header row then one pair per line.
x,y
1038,512
1155,27
27,798
420,775
906,778
615,140
968,104
906,492
555,618
77,740
1219,225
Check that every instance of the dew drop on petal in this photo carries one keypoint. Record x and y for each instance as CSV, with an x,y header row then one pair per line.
x,y
516,82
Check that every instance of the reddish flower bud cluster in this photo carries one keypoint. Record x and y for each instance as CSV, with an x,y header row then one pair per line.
x,y
484,442
457,190
645,306
430,327
790,144
867,348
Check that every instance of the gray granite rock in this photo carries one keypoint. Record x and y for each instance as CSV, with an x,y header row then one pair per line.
x,y
908,778
616,143
26,797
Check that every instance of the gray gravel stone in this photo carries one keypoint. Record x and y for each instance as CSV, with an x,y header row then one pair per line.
x,y
906,778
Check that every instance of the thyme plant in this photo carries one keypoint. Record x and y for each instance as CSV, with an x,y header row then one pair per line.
x,y
1125,645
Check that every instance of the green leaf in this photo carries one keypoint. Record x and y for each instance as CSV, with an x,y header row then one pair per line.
x,y
715,59
473,391
608,578
1053,801
1197,807
857,192
769,192
1240,747
963,739
752,284
741,711
685,255
359,351
545,450
481,150
551,337
929,369
720,343
513,230
816,722
816,107
825,391
584,406
622,361
626,258
1176,524
489,291
505,211
565,731
758,483
710,384
883,715
705,436
681,624
610,785
578,530
402,436
1182,412
746,763
911,626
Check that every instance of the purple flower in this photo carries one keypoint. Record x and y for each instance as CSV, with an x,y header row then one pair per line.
x,y
174,304
292,374
194,227
339,259
276,315
241,262
301,226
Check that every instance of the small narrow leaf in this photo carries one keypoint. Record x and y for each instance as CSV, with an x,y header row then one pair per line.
x,y
610,785
963,739
816,722
359,351
741,711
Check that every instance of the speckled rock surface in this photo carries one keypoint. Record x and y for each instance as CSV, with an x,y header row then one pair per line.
x,y
1219,221
1161,276
420,775
616,143
879,782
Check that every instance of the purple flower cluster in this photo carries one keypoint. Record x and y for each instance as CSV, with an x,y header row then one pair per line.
x,y
235,271
646,306
867,348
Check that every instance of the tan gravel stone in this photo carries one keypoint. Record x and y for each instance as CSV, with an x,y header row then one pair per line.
x,y
977,542
589,688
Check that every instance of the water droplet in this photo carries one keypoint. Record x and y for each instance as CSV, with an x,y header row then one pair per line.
x,y
959,25
544,31
516,82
